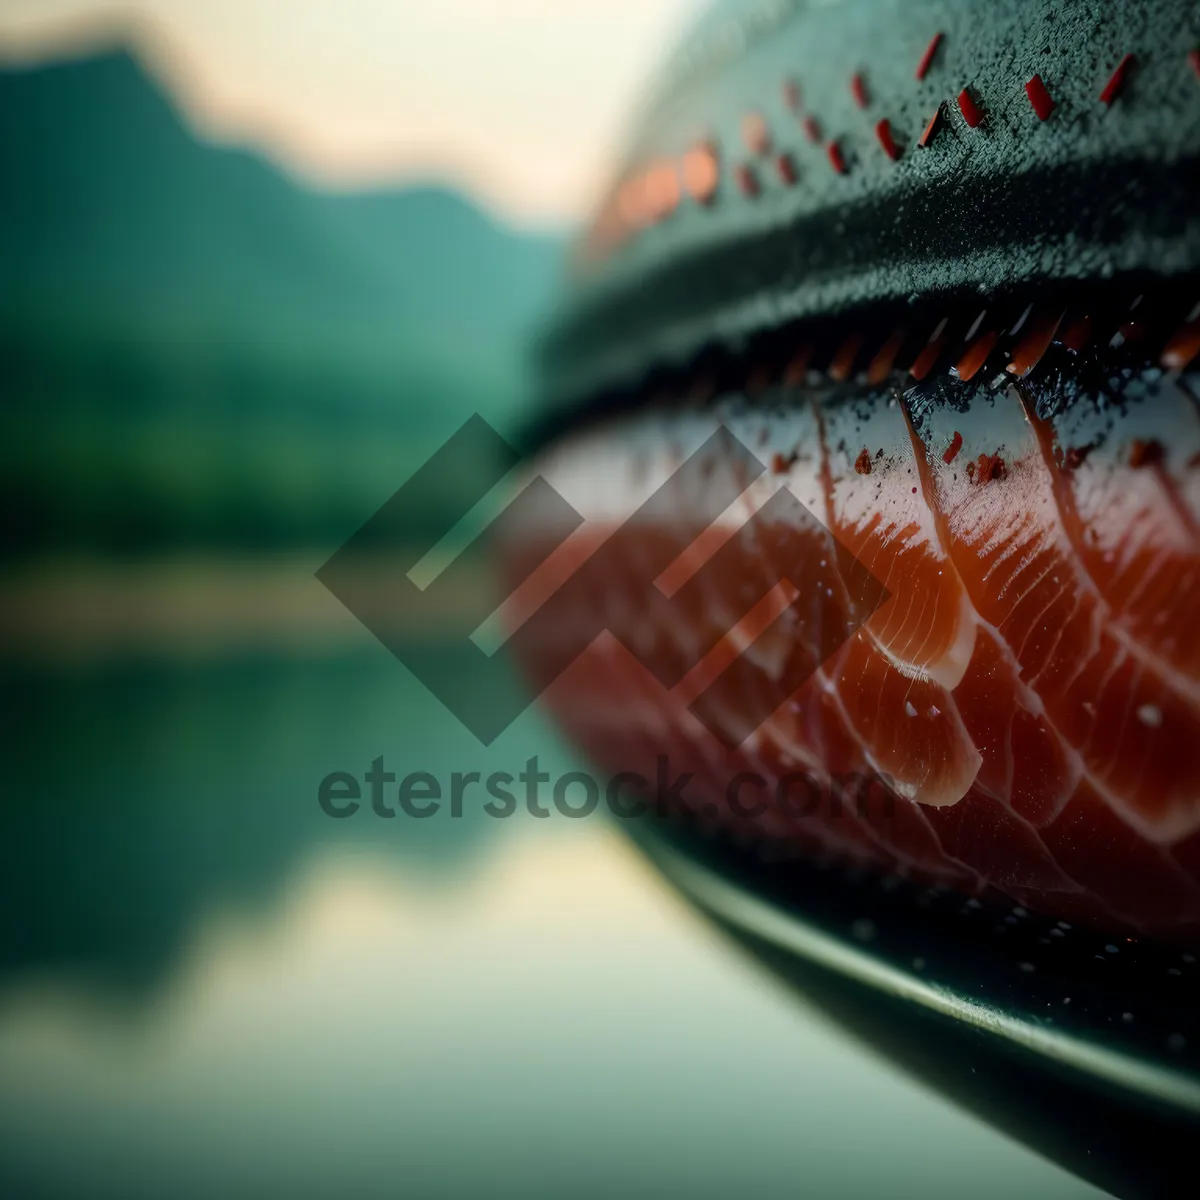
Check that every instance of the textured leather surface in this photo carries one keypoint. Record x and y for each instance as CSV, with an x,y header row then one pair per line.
x,y
1099,188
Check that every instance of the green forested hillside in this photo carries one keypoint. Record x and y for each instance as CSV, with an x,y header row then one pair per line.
x,y
195,350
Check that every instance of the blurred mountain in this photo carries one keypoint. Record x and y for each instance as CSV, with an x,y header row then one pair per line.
x,y
114,214
170,309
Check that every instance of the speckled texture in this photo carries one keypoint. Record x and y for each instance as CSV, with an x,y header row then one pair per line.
x,y
1028,692
1093,192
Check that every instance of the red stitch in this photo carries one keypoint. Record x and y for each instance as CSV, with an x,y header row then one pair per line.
x,y
797,370
927,358
971,111
661,190
883,131
862,464
837,160
972,361
1112,89
781,465
631,204
1194,59
1183,347
701,173
1077,336
882,363
758,382
1036,342
701,391
812,130
952,450
785,165
1042,101
843,360
858,89
755,133
931,130
747,180
927,58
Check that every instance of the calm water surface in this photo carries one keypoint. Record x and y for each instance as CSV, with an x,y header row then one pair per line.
x,y
208,987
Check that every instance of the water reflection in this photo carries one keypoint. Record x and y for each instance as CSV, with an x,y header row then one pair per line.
x,y
140,794
209,987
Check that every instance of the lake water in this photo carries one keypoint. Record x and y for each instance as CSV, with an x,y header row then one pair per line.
x,y
209,987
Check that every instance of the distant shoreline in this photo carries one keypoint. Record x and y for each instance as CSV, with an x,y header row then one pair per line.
x,y
80,610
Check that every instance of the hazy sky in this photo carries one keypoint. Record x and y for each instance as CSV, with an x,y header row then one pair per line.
x,y
522,101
